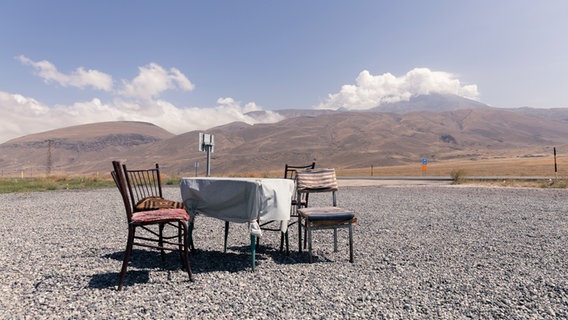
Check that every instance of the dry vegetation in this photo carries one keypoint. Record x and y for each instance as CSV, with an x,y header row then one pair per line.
x,y
529,167
503,172
505,167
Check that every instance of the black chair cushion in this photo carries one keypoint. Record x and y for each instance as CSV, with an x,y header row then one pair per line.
x,y
326,214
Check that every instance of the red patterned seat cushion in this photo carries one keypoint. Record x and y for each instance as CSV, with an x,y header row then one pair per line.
x,y
160,214
154,203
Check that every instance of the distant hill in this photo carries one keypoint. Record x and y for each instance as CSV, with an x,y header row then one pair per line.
x,y
339,139
77,149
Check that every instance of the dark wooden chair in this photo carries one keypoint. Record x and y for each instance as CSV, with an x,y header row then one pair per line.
x,y
143,220
297,202
331,217
145,190
289,173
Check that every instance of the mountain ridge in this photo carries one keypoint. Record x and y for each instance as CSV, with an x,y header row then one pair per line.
x,y
341,139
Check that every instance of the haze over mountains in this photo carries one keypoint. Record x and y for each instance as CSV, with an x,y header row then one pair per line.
x,y
438,127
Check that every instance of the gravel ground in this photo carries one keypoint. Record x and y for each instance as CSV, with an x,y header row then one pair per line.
x,y
421,252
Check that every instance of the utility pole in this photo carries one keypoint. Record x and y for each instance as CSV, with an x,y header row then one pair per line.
x,y
49,158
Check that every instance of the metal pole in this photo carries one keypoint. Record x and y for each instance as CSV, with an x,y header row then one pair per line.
x,y
555,166
208,159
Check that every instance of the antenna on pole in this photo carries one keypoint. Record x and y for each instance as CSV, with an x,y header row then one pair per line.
x,y
206,143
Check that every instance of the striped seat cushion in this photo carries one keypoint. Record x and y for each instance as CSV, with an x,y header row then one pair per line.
x,y
320,180
160,215
154,203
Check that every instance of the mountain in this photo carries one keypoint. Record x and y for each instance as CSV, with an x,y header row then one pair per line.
x,y
340,139
432,102
77,149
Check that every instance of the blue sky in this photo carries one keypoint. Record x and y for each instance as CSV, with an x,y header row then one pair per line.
x,y
191,65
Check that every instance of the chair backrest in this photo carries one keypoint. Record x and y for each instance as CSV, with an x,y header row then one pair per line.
x,y
143,183
290,173
290,170
320,180
120,181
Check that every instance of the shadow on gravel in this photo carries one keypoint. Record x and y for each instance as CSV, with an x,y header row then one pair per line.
x,y
236,259
110,280
149,259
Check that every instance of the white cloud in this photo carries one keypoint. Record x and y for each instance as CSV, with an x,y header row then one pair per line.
x,y
79,78
371,91
153,80
135,101
138,100
20,115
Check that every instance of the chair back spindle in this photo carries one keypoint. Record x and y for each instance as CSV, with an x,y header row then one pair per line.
x,y
143,184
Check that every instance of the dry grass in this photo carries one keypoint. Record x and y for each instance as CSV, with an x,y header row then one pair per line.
x,y
504,167
502,172
532,183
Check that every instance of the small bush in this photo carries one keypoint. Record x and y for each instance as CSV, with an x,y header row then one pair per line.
x,y
555,183
172,181
458,175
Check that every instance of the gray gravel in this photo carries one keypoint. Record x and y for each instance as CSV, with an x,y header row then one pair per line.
x,y
421,252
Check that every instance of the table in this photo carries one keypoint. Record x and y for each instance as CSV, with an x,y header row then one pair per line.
x,y
241,200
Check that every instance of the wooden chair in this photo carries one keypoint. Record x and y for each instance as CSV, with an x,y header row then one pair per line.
x,y
145,190
289,173
297,202
314,218
143,220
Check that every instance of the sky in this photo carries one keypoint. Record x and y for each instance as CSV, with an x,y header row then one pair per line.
x,y
192,65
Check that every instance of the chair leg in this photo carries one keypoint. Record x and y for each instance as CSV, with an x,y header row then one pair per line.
x,y
299,234
305,235
186,249
351,242
309,238
161,241
335,240
287,243
190,236
226,235
182,243
127,253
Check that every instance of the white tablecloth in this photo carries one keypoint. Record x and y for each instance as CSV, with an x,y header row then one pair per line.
x,y
240,199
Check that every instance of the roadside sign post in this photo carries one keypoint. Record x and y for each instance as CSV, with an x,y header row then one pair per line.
x,y
206,143
424,165
555,166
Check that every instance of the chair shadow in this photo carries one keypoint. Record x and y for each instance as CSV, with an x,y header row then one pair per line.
x,y
236,259
110,279
146,260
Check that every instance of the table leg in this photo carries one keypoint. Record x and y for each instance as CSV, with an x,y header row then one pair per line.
x,y
226,235
299,234
253,249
